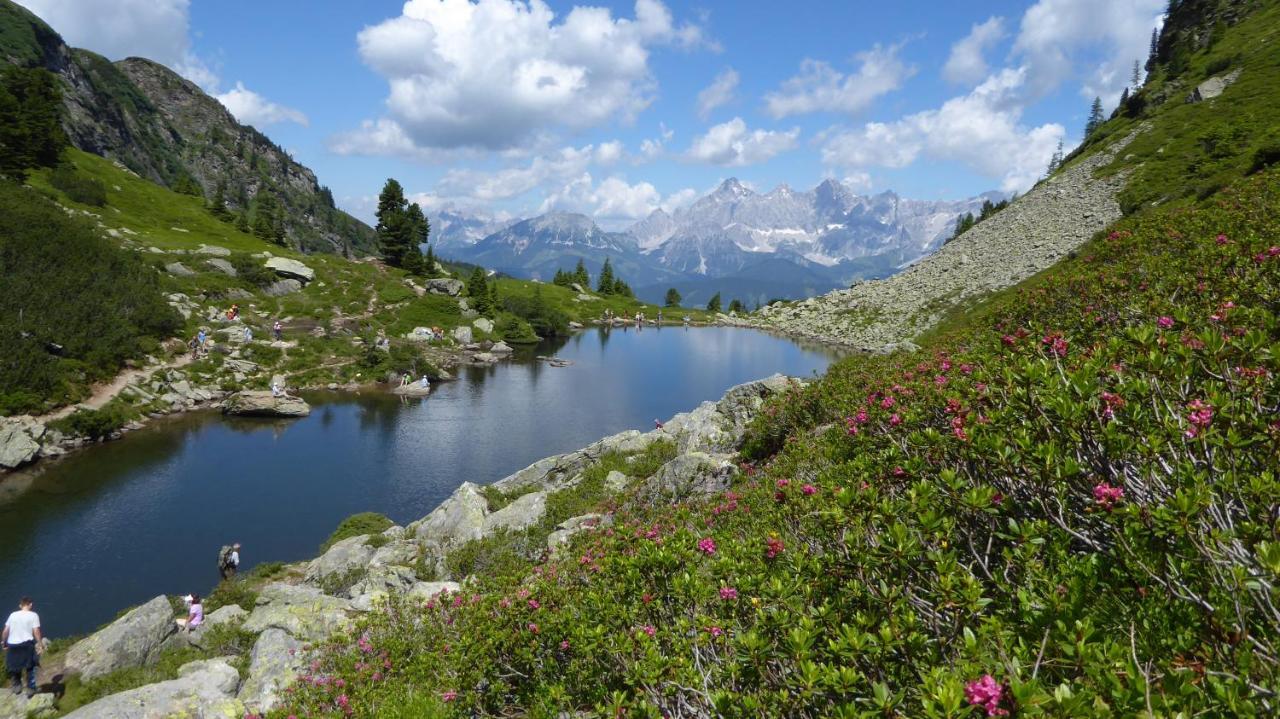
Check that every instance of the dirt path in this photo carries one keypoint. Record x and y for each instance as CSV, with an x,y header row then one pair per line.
x,y
104,393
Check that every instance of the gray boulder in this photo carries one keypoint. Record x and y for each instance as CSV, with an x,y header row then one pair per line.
x,y
18,706
445,286
342,558
692,473
458,519
1213,87
16,446
203,689
462,335
616,481
483,324
280,288
292,269
222,266
423,591
523,512
177,269
500,348
304,612
262,404
213,250
573,525
130,641
553,472
378,584
273,664
399,551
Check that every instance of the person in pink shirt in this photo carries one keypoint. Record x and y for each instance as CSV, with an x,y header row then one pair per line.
x,y
195,614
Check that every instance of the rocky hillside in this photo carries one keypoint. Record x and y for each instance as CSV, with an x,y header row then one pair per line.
x,y
1033,233
166,129
1204,117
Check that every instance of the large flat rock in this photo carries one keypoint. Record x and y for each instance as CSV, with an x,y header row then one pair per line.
x,y
263,404
274,662
130,641
204,689
291,269
304,612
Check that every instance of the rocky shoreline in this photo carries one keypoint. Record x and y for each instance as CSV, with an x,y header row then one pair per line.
x,y
309,601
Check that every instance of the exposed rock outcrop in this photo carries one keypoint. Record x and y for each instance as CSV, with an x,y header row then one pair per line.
x,y
203,689
1033,233
17,445
130,641
290,269
443,286
263,404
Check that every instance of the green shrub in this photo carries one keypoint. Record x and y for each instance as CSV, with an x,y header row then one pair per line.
x,y
356,525
514,330
1265,157
231,591
251,271
95,424
78,187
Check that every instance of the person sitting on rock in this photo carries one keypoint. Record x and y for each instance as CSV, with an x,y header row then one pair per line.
x,y
405,379
234,312
23,643
195,613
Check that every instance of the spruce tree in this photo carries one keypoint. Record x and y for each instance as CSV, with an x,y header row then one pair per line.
x,y
264,217
606,279
1153,57
673,298
581,276
1095,117
478,291
395,228
736,306
429,263
218,205
1135,79
1056,161
242,222
714,304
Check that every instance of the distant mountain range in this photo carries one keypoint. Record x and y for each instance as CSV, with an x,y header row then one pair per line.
x,y
735,241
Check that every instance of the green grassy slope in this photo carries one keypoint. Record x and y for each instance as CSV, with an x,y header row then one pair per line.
x,y
350,301
1064,504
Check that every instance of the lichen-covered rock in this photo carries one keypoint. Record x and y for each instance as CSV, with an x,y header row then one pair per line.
x,y
423,591
379,583
304,612
553,472
573,525
274,662
524,511
280,288
342,558
263,404
462,335
17,447
692,473
458,519
402,552
483,324
444,286
130,641
203,689
290,269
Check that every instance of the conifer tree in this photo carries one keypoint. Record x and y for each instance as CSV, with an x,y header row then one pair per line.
x,y
218,205
395,228
1095,117
714,304
1056,160
606,279
1153,57
429,263
673,298
1135,78
581,276
478,291
242,221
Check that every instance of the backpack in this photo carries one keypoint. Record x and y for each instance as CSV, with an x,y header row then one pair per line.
x,y
224,556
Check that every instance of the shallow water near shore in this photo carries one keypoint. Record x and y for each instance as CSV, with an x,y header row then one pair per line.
x,y
117,524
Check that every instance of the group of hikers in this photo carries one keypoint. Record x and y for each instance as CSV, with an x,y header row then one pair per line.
x,y
24,641
640,317
199,345
407,379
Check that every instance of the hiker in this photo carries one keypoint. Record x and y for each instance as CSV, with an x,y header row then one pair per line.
x,y
657,424
234,312
194,345
195,613
659,316
24,643
277,330
405,379
248,334
425,382
229,560
276,390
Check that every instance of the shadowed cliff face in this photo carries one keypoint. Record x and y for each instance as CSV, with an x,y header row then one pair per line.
x,y
166,129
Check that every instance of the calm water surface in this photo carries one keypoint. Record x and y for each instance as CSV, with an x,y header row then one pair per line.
x,y
118,524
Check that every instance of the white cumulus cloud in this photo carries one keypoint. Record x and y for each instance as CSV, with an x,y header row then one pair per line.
x,y
982,130
494,73
733,144
821,88
613,202
720,92
253,109
155,29
1053,31
967,62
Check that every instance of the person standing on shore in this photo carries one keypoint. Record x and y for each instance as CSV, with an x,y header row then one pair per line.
x,y
229,561
277,330
24,643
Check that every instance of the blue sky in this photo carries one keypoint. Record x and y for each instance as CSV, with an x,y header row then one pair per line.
x,y
617,108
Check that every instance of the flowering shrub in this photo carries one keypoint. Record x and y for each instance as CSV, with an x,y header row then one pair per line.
x,y
1068,508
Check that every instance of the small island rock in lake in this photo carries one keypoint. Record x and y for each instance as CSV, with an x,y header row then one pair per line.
x,y
263,404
